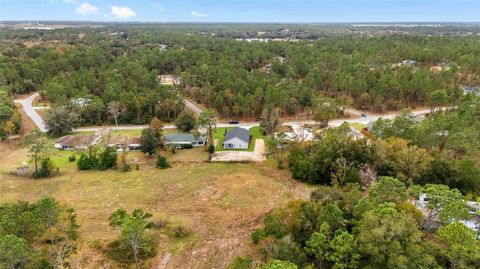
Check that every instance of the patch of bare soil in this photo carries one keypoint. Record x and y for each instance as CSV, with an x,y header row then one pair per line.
x,y
227,212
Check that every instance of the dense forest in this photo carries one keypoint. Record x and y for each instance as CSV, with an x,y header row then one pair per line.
x,y
237,78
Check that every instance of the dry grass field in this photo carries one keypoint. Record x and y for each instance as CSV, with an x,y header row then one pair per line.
x,y
220,204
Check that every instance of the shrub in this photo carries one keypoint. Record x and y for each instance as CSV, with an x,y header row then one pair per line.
x,y
162,162
180,232
107,159
71,158
257,235
211,149
46,168
187,146
241,263
86,162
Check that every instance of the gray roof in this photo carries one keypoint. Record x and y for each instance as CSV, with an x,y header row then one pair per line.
x,y
184,137
240,133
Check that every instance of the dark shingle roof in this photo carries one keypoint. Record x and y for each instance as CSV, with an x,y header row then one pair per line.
x,y
240,133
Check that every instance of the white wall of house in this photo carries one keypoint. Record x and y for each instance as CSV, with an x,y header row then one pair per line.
x,y
235,143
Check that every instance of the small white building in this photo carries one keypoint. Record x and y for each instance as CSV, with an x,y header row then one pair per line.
x,y
236,138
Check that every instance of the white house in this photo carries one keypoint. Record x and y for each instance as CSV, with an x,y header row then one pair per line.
x,y
236,138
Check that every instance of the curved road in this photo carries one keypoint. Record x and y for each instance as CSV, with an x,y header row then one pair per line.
x,y
31,113
296,125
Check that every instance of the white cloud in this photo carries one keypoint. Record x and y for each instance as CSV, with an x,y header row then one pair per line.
x,y
198,14
122,12
70,1
86,9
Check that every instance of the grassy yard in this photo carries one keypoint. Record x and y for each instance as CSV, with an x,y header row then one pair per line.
x,y
255,132
219,203
358,126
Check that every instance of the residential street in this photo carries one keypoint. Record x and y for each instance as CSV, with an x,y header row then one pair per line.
x,y
30,111
297,126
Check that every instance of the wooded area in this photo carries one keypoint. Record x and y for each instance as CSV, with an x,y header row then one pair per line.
x,y
237,78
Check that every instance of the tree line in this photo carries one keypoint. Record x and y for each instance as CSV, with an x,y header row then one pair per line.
x,y
237,79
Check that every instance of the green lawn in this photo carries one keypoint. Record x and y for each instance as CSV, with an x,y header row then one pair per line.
x,y
255,132
358,126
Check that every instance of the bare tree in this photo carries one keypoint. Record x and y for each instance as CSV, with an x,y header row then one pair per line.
x,y
116,109
342,168
271,120
368,176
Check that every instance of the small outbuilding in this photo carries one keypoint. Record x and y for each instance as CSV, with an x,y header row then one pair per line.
x,y
236,138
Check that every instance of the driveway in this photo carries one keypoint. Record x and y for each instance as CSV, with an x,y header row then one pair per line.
x,y
258,155
30,111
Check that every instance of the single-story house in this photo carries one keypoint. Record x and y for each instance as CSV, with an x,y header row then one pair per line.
x,y
236,138
185,140
71,142
131,143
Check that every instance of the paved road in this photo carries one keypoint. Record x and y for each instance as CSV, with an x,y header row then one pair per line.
x,y
192,107
297,126
30,111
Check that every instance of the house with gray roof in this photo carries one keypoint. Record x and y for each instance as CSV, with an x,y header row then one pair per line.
x,y
185,140
236,138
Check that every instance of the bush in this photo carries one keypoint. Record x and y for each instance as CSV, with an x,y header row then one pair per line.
x,y
86,162
241,263
257,235
187,146
162,162
180,232
71,158
107,159
211,149
46,168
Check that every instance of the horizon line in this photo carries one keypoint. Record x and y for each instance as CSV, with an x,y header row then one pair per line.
x,y
249,22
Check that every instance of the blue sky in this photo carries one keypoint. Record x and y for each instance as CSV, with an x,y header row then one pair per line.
x,y
244,10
